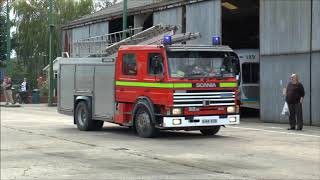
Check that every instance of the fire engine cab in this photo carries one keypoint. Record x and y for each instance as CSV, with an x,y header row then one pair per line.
x,y
152,88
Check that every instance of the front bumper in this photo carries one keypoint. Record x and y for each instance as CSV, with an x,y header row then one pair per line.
x,y
201,121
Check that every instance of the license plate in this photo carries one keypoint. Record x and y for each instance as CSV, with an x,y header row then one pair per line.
x,y
209,121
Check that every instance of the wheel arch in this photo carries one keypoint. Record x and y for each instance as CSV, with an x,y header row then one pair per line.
x,y
147,103
77,99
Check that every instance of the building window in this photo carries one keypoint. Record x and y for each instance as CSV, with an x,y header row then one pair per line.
x,y
155,64
129,64
250,73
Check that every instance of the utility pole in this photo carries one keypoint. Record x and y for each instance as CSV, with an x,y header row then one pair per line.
x,y
124,18
9,63
50,97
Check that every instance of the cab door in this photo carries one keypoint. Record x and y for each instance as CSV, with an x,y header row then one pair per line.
x,y
127,77
155,75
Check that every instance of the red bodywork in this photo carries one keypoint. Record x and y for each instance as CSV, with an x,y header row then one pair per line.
x,y
126,96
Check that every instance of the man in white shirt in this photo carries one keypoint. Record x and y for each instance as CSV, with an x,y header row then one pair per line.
x,y
24,87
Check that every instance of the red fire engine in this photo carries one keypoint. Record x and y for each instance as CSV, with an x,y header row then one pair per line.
x,y
153,88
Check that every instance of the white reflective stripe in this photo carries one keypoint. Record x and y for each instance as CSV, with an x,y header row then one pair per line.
x,y
191,100
208,93
190,105
189,97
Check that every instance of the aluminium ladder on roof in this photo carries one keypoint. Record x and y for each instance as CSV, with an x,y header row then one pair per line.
x,y
95,45
152,35
141,37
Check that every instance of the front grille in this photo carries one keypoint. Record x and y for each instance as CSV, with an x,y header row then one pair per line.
x,y
203,98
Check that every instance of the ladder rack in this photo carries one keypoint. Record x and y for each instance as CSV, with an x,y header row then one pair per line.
x,y
108,45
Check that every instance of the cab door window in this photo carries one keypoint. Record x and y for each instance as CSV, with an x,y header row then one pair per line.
x,y
129,65
155,64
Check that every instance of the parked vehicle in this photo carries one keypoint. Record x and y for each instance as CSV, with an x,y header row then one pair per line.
x,y
250,80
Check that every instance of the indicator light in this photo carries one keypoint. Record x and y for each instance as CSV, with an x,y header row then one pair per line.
x,y
216,40
167,40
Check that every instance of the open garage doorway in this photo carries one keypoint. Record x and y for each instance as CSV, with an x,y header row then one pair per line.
x,y
148,22
115,25
240,31
240,23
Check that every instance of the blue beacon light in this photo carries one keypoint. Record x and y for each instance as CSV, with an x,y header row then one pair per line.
x,y
167,40
216,40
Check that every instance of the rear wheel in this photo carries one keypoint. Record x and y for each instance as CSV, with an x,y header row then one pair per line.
x,y
210,132
83,118
143,124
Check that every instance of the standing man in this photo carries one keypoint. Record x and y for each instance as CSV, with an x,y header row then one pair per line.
x,y
4,84
294,97
7,85
24,91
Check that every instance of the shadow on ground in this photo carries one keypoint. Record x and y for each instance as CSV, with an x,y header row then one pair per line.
x,y
118,131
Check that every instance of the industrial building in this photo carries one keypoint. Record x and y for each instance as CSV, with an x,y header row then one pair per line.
x,y
286,32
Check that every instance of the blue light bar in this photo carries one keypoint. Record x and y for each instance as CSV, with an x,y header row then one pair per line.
x,y
167,40
216,40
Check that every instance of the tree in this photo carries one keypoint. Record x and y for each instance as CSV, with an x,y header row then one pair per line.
x,y
101,4
2,35
32,29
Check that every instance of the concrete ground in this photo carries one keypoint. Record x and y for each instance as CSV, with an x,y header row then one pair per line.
x,y
39,143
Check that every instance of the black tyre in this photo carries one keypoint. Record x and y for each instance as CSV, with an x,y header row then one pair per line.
x,y
143,124
210,132
84,120
97,125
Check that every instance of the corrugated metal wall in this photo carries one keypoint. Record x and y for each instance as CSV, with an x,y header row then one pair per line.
x,y
98,29
316,25
315,88
279,68
285,39
77,34
285,26
315,64
168,17
204,17
83,32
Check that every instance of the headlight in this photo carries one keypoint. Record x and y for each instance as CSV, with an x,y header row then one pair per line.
x,y
176,121
231,109
232,119
176,111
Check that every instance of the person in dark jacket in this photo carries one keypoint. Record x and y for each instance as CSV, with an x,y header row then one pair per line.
x,y
294,97
24,88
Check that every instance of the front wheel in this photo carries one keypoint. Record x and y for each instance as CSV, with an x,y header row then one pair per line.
x,y
210,132
143,124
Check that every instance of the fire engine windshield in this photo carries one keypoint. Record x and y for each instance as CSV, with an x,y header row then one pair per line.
x,y
202,64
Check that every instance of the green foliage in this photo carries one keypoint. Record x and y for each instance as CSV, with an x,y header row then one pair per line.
x,y
32,35
2,35
100,4
44,89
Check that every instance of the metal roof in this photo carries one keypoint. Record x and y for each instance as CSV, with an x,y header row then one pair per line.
x,y
134,7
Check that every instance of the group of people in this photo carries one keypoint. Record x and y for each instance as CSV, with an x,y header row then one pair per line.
x,y
7,90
